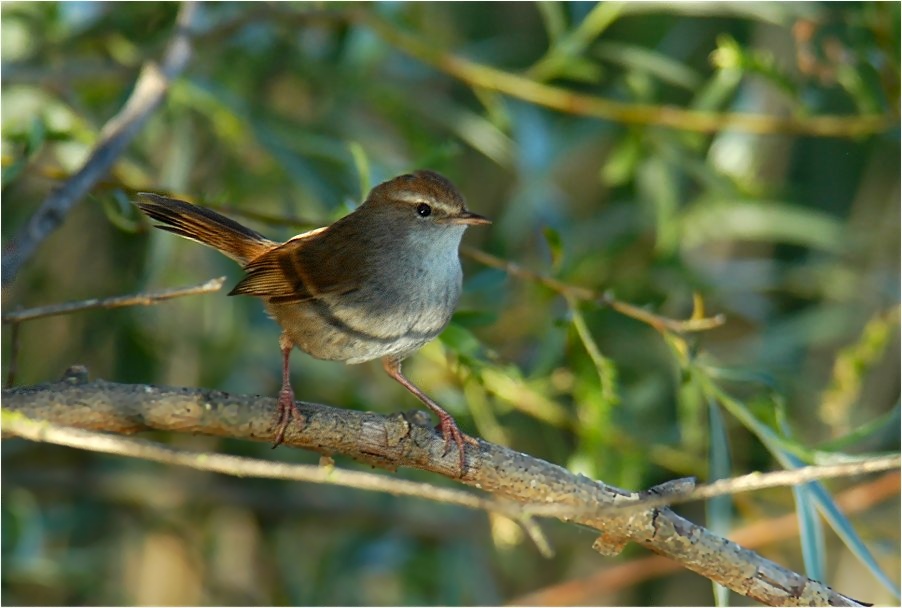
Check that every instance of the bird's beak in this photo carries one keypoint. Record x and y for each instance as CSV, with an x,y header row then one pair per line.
x,y
469,218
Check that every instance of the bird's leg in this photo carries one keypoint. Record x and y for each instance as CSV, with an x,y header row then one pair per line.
x,y
446,424
287,409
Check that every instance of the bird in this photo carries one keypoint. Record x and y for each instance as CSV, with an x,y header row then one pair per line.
x,y
379,283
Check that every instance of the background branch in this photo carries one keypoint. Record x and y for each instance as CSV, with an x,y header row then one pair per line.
x,y
579,292
149,298
393,441
139,299
531,88
488,78
150,88
21,426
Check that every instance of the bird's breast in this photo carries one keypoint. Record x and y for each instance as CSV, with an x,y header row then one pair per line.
x,y
400,305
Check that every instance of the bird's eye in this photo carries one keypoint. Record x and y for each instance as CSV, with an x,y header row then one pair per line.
x,y
424,210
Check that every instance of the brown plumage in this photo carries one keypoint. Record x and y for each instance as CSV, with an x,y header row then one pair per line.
x,y
378,283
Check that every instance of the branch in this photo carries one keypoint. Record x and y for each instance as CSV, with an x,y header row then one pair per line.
x,y
581,591
21,426
492,79
751,482
584,293
407,440
138,299
150,88
238,466
479,76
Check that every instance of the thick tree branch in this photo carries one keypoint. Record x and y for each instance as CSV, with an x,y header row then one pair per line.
x,y
760,533
150,88
399,440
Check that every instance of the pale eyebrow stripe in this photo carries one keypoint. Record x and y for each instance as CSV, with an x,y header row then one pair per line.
x,y
408,196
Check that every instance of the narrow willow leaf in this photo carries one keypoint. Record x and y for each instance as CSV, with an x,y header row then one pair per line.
x,y
718,510
811,532
881,424
840,524
555,246
759,221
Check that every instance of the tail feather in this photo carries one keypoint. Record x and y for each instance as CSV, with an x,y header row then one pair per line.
x,y
205,226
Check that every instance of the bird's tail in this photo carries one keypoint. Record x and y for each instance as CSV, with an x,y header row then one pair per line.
x,y
205,226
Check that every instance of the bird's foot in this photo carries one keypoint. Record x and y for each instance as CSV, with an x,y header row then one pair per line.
x,y
450,432
286,412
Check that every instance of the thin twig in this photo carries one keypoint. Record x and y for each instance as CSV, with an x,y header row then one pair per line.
x,y
150,88
515,270
659,322
138,299
746,483
776,479
586,294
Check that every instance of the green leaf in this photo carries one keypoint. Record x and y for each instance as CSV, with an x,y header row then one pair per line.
x,y
555,246
811,532
362,164
718,91
120,212
37,134
763,221
461,341
852,365
820,497
783,450
658,185
659,65
621,163
34,139
553,18
889,420
718,510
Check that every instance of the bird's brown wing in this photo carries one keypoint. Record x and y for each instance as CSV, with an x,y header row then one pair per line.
x,y
308,266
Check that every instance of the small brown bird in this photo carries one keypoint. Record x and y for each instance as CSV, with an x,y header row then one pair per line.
x,y
379,283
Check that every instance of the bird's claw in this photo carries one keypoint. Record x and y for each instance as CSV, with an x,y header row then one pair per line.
x,y
450,432
287,410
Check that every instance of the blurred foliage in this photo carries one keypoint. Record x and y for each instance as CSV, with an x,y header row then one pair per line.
x,y
294,111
